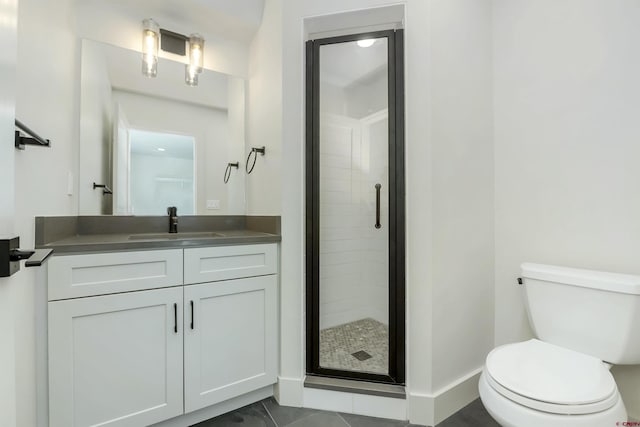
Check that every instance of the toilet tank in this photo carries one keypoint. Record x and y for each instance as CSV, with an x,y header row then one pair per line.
x,y
593,312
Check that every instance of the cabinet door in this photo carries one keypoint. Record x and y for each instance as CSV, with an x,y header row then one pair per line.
x,y
116,360
231,345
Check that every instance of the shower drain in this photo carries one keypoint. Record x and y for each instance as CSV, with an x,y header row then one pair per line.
x,y
361,355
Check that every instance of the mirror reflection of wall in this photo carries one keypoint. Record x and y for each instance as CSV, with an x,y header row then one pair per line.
x,y
117,103
161,173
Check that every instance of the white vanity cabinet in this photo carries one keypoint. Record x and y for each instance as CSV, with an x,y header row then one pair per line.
x,y
138,357
230,322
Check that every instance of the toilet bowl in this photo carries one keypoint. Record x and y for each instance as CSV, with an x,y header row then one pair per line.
x,y
582,318
533,383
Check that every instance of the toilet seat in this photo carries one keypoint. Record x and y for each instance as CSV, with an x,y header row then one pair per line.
x,y
552,379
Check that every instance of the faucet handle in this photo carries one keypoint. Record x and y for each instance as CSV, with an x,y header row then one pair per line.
x,y
172,211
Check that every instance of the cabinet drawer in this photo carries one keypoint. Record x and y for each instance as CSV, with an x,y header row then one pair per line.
x,y
229,262
73,276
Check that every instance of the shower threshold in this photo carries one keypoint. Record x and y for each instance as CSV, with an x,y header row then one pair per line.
x,y
359,387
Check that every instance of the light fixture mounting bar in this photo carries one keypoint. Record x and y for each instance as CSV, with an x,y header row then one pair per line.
x,y
173,42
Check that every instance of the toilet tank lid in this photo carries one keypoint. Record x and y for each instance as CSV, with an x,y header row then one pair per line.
x,y
613,282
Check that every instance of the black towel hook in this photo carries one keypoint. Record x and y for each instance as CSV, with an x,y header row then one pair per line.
x,y
254,151
227,172
105,189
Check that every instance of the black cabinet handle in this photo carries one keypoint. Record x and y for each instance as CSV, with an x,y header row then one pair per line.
x,y
192,315
378,186
175,318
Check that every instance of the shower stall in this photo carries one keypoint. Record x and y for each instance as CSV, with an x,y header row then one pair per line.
x,y
355,207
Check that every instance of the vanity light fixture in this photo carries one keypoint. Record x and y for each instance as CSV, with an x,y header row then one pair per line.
x,y
366,42
153,35
150,43
190,75
196,59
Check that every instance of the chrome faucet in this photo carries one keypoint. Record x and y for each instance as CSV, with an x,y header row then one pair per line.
x,y
172,211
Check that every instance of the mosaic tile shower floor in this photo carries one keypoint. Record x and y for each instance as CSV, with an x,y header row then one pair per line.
x,y
347,346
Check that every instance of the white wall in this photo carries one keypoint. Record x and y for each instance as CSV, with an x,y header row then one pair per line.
x,y
461,162
567,102
8,35
264,116
47,101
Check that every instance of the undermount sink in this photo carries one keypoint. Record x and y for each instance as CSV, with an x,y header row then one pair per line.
x,y
174,236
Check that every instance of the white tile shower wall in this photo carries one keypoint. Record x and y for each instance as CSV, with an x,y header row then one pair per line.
x,y
353,158
353,261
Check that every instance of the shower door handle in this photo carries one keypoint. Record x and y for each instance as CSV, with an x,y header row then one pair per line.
x,y
378,186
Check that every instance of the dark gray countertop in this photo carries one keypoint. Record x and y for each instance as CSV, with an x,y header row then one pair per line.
x,y
100,234
120,242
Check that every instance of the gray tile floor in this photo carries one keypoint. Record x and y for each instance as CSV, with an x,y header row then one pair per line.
x,y
268,413
362,345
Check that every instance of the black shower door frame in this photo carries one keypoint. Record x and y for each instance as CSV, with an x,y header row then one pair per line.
x,y
396,194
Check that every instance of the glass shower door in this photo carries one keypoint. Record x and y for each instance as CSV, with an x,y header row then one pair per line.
x,y
354,333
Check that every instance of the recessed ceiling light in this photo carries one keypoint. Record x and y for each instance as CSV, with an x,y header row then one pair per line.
x,y
160,149
366,42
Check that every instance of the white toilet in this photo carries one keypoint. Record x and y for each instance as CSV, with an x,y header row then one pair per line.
x,y
584,320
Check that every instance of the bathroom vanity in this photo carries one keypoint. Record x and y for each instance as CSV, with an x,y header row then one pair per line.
x,y
154,326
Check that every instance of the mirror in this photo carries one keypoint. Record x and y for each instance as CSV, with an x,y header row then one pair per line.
x,y
156,142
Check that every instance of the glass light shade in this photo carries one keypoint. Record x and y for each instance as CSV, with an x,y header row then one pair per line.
x,y
190,75
150,44
196,52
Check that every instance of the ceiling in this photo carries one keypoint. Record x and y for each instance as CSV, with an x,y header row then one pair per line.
x,y
346,64
170,145
230,19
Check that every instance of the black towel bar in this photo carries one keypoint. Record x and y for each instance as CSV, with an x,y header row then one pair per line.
x,y
33,139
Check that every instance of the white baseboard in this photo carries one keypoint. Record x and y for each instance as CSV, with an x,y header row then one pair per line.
x,y
288,391
420,408
354,403
430,409
219,409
